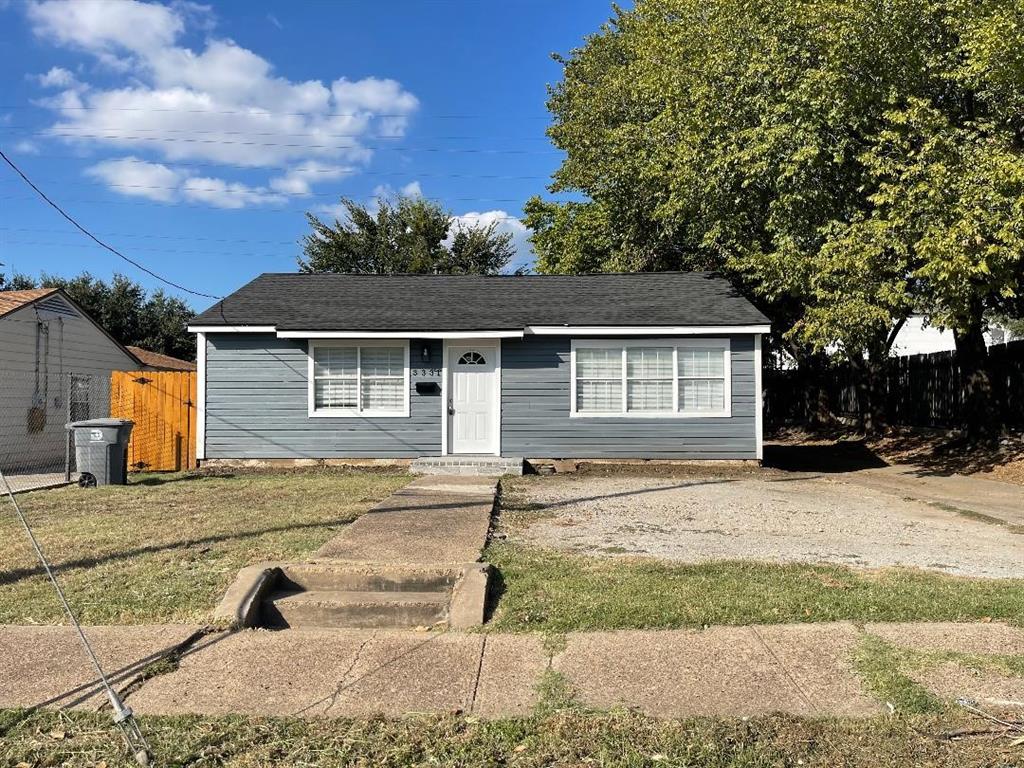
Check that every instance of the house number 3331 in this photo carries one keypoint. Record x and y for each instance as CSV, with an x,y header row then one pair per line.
x,y
426,371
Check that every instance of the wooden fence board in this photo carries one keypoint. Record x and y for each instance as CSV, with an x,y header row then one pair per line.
x,y
920,390
162,405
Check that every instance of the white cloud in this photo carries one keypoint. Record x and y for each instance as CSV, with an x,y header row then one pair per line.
x,y
222,104
299,180
58,77
26,147
138,178
104,27
504,222
226,194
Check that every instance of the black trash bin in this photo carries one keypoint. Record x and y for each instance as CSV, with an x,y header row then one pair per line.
x,y
101,451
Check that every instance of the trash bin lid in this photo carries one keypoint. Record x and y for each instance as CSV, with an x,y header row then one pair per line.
x,y
100,423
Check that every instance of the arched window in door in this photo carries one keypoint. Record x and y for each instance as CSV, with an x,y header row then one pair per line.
x,y
472,358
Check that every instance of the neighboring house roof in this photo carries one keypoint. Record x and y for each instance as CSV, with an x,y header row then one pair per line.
x,y
325,302
159,361
12,300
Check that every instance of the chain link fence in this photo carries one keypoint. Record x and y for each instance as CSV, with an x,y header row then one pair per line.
x,y
36,448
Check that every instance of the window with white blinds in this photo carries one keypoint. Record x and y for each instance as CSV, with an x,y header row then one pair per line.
x,y
651,378
354,379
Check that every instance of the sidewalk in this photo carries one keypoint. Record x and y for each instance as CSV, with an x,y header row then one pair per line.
x,y
430,521
802,669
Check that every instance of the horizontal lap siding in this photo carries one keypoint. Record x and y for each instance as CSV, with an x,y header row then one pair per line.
x,y
256,406
535,418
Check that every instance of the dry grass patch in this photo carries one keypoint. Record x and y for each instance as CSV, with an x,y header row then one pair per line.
x,y
565,738
165,547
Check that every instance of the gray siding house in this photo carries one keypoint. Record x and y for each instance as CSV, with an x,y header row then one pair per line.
x,y
637,366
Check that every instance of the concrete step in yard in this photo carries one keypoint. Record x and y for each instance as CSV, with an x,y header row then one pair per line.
x,y
490,466
360,609
336,594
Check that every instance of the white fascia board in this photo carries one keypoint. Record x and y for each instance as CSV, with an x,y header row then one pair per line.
x,y
634,330
400,334
231,329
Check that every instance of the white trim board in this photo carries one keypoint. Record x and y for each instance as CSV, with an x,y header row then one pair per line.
x,y
535,330
467,335
200,396
758,398
231,329
639,330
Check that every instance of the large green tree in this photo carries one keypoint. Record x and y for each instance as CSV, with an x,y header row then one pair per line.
x,y
153,321
846,162
409,235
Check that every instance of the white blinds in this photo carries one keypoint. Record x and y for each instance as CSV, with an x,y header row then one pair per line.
x,y
359,379
630,378
598,380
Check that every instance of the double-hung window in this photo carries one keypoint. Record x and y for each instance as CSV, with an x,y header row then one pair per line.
x,y
651,378
359,379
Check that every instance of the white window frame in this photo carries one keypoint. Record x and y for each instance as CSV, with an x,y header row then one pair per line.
x,y
725,344
357,412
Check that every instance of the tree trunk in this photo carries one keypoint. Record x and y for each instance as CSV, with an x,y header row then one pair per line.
x,y
979,415
814,370
870,392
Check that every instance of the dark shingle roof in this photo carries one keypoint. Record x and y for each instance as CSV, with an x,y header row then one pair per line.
x,y
301,302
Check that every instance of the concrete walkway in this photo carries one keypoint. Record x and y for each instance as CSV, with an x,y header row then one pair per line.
x,y
1003,501
433,520
803,669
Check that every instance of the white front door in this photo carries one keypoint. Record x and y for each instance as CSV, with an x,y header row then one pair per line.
x,y
473,398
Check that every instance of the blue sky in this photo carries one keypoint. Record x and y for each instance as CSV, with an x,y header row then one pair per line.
x,y
194,137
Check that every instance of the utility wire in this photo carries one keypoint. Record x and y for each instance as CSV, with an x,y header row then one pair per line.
x,y
293,207
123,717
95,239
311,171
299,144
260,112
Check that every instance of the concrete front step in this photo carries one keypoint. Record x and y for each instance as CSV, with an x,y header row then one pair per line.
x,y
490,466
333,576
359,609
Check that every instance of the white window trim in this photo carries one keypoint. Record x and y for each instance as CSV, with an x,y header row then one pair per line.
x,y
356,413
724,344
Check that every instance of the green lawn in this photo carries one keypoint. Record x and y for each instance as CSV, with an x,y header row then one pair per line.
x,y
165,547
538,589
565,738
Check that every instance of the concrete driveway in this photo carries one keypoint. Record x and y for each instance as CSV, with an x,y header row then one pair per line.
x,y
869,518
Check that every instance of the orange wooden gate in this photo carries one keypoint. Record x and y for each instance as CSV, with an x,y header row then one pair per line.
x,y
162,405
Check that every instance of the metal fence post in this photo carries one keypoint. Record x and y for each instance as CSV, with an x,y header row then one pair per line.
x,y
68,438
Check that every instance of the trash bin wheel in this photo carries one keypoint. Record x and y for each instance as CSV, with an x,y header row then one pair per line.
x,y
87,480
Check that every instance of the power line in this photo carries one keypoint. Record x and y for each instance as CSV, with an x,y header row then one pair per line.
x,y
149,236
297,145
292,209
403,174
28,130
260,112
95,239
271,191
176,251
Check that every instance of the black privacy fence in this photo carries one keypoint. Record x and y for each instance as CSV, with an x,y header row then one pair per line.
x,y
917,390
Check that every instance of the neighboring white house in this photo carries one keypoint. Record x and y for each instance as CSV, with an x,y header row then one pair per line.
x,y
918,338
55,365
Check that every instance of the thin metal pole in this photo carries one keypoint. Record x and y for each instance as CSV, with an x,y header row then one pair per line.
x,y
123,716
